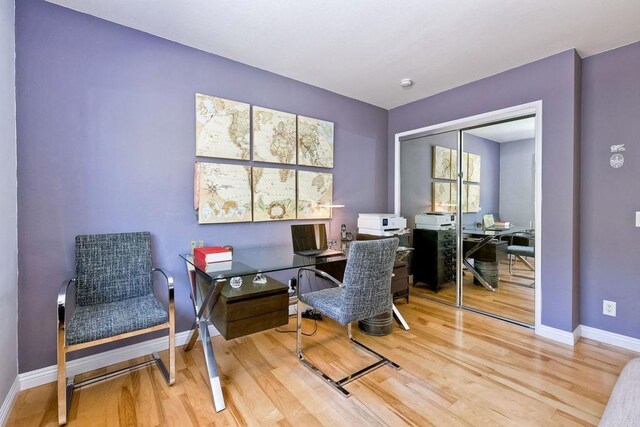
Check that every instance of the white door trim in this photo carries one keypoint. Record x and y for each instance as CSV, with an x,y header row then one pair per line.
x,y
492,116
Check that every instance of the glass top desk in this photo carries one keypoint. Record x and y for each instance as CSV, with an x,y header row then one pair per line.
x,y
485,237
211,295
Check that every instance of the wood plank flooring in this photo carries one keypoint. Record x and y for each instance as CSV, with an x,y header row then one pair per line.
x,y
458,368
513,298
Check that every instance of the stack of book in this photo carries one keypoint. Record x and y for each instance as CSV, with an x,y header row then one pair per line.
x,y
213,258
502,225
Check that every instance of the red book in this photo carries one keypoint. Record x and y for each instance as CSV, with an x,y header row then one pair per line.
x,y
213,266
212,254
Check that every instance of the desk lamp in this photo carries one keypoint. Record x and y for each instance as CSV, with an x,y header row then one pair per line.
x,y
332,243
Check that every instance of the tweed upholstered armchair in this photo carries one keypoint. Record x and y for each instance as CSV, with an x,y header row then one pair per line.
x,y
365,292
114,299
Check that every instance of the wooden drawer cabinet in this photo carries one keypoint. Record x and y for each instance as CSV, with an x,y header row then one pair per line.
x,y
434,257
251,308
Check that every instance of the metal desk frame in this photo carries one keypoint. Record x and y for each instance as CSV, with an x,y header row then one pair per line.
x,y
480,244
204,301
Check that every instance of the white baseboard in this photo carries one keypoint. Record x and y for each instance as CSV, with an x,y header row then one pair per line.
x,y
5,410
559,335
610,338
85,364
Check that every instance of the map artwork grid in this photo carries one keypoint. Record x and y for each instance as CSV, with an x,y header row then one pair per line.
x,y
222,128
315,142
274,194
274,136
223,193
314,188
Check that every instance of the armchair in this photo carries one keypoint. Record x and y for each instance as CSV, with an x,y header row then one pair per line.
x,y
365,292
114,299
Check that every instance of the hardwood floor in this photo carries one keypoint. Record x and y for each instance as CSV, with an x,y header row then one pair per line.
x,y
458,368
513,298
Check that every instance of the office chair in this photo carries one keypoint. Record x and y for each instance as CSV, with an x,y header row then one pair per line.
x,y
114,300
365,292
518,249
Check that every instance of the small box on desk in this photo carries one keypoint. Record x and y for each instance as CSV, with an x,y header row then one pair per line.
x,y
251,308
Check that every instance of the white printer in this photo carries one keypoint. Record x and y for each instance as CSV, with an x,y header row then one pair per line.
x,y
380,224
435,220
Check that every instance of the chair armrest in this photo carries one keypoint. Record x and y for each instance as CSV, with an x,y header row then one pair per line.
x,y
320,273
62,300
169,280
167,277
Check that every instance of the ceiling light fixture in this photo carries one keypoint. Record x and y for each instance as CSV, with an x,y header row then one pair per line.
x,y
406,83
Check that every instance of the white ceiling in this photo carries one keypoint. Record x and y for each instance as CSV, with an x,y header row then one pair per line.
x,y
515,130
362,48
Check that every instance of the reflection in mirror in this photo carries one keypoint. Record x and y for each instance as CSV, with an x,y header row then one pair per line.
x,y
498,221
498,166
428,169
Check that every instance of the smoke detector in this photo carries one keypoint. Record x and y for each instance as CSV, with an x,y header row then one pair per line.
x,y
406,83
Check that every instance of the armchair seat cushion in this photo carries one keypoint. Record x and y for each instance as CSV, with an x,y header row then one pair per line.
x,y
94,322
521,250
328,302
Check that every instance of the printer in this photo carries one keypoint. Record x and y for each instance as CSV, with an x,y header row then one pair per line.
x,y
435,220
381,224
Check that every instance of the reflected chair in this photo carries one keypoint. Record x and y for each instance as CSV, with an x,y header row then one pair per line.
x,y
114,299
520,248
365,292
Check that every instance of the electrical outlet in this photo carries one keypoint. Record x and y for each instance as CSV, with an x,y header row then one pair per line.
x,y
609,308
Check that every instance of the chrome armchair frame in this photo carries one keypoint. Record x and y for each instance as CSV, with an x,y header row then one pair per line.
x,y
338,385
67,385
513,258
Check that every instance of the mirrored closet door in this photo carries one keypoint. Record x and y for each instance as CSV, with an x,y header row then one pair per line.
x,y
468,195
498,219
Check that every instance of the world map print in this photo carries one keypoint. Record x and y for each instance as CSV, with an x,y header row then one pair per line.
x,y
222,128
314,189
274,194
222,193
274,136
315,142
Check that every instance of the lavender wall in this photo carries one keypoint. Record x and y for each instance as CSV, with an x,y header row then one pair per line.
x,y
610,243
489,152
8,214
106,144
552,80
517,181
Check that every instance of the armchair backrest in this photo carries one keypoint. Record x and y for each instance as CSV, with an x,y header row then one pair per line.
x,y
367,278
112,267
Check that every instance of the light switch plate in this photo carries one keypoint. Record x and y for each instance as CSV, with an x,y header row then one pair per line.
x,y
637,219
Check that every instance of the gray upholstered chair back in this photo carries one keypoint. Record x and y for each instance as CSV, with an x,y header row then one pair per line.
x,y
367,278
113,267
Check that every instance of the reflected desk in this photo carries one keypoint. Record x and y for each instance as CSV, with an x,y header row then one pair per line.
x,y
486,252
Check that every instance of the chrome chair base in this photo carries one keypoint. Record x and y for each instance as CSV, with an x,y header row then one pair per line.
x,y
522,276
338,385
71,385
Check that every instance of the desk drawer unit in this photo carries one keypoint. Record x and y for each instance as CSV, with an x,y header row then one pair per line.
x,y
434,258
492,251
251,308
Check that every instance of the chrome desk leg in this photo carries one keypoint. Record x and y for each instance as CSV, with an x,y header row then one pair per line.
x,y
193,337
210,360
478,276
399,318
